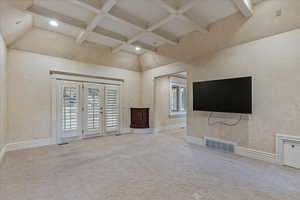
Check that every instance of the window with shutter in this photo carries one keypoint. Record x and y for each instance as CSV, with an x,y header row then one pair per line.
x,y
70,115
93,108
112,108
178,97
94,100
87,110
70,109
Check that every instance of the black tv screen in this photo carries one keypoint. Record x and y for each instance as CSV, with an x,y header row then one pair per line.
x,y
227,95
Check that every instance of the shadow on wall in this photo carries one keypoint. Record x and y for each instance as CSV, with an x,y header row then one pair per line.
x,y
213,125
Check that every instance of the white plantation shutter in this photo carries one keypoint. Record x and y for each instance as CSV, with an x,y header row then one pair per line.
x,y
112,108
94,99
70,109
93,108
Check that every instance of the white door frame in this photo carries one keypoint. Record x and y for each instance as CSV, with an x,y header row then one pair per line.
x,y
54,78
71,135
107,130
99,131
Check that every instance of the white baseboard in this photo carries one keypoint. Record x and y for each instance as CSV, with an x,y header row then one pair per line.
x,y
170,127
142,131
29,144
125,131
258,155
242,151
2,153
152,130
195,140
136,130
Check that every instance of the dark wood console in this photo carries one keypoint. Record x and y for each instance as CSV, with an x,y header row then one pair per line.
x,y
139,117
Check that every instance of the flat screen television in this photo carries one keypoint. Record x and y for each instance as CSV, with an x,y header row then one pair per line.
x,y
227,95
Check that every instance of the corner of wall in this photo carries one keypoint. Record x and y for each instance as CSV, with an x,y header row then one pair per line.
x,y
3,96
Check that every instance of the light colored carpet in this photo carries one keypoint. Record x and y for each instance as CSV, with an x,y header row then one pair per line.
x,y
141,167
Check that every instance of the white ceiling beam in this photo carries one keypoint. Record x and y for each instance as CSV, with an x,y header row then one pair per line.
x,y
245,7
105,9
187,6
149,31
161,22
90,27
125,22
167,7
50,15
93,24
86,6
180,13
145,46
129,42
194,24
81,37
173,14
163,38
108,5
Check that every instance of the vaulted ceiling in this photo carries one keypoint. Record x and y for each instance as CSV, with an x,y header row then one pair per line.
x,y
126,24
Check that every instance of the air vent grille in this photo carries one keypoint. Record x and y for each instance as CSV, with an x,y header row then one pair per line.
x,y
228,147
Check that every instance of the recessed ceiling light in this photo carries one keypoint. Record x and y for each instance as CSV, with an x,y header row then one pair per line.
x,y
138,48
53,23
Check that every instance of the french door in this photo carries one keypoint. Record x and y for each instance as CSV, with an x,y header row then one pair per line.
x,y
93,109
87,110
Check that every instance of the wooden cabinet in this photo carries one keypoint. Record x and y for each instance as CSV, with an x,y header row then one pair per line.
x,y
139,118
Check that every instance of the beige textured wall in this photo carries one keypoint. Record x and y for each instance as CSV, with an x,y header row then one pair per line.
x,y
231,31
55,44
3,96
29,91
14,23
151,60
20,4
274,64
162,119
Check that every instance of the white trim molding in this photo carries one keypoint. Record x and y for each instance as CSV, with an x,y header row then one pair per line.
x,y
84,78
141,131
195,140
137,131
2,153
258,155
242,151
280,140
125,131
180,83
169,127
29,144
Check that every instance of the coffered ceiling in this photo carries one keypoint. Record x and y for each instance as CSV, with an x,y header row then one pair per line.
x,y
127,24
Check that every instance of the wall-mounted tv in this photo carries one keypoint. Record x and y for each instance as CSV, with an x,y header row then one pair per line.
x,y
227,95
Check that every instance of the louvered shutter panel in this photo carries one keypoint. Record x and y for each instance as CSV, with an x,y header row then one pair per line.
x,y
93,108
94,100
112,108
70,110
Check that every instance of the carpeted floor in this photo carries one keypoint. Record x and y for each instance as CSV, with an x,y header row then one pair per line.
x,y
141,167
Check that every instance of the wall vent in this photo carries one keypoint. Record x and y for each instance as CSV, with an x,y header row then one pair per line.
x,y
221,145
